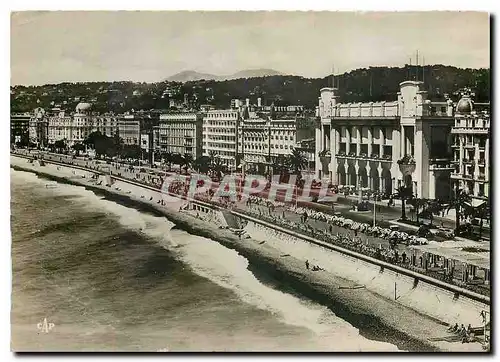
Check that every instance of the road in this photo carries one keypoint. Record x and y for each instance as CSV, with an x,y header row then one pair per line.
x,y
343,205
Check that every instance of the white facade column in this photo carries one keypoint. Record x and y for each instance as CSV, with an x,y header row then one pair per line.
x,y
396,147
432,186
333,153
403,142
370,141
379,175
422,175
337,140
356,169
487,159
358,140
476,168
348,140
382,142
317,162
461,155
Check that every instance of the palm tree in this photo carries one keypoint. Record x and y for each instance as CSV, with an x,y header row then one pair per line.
x,y
462,205
202,164
280,165
118,143
482,212
60,145
404,193
217,167
186,161
297,161
78,147
431,208
177,159
168,158
417,203
212,155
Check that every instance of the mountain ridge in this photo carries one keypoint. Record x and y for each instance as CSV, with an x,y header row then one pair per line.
x,y
192,75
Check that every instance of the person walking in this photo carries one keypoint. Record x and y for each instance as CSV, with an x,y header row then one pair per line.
x,y
307,264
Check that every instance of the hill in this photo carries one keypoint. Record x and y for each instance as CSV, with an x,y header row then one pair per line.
x,y
360,85
253,73
191,75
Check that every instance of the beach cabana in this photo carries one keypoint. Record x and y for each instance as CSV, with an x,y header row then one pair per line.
x,y
452,257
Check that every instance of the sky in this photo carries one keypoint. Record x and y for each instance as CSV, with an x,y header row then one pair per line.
x,y
54,47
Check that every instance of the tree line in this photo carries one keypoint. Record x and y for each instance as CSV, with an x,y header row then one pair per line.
x,y
360,85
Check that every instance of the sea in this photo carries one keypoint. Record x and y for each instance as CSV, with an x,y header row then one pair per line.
x,y
89,274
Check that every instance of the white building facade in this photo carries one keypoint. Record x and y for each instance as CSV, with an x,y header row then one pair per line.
x,y
180,132
282,136
220,130
360,143
75,128
471,148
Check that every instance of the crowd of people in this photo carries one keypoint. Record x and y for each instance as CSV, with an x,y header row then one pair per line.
x,y
343,240
384,233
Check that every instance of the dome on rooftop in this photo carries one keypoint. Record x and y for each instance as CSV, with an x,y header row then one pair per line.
x,y
83,107
465,105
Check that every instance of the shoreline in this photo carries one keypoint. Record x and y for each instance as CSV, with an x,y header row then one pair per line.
x,y
372,314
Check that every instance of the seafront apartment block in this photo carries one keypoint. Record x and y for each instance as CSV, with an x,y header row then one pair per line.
x,y
220,130
471,148
180,132
360,143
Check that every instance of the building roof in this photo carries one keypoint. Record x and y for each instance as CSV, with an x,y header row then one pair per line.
x,y
83,107
454,250
465,105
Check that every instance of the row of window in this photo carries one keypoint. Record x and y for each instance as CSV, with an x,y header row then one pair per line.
x,y
221,115
220,138
178,133
377,132
469,155
471,140
177,126
221,153
469,186
218,130
472,122
219,145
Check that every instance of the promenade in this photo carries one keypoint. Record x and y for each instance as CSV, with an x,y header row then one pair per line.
x,y
285,215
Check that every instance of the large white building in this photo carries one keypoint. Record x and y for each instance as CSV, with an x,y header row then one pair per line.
x,y
471,148
283,134
75,128
220,130
262,138
360,143
179,132
129,129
